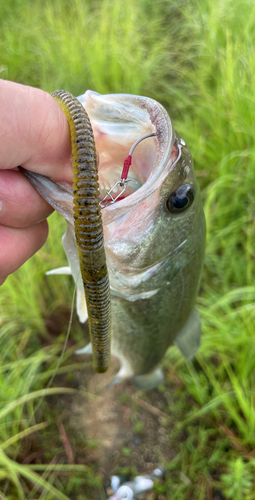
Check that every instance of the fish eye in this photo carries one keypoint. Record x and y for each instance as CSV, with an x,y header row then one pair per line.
x,y
181,199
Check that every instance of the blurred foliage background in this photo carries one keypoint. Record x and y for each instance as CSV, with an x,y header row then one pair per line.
x,y
198,59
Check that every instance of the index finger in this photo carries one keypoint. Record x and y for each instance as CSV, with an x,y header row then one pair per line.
x,y
34,132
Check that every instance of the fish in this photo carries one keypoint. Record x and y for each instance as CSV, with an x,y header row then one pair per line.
x,y
154,234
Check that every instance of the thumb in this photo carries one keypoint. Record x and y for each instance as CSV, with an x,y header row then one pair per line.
x,y
34,132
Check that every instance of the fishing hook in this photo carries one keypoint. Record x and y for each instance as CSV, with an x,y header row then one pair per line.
x,y
109,199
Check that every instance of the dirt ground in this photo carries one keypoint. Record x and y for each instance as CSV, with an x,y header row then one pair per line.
x,y
119,430
117,418
128,429
123,427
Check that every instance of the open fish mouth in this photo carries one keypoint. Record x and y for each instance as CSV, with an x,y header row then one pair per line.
x,y
118,121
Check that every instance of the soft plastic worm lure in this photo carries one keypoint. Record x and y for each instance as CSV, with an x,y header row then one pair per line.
x,y
89,228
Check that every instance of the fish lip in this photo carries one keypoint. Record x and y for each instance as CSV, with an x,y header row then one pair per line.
x,y
165,138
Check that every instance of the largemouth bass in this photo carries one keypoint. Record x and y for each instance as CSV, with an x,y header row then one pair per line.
x,y
154,234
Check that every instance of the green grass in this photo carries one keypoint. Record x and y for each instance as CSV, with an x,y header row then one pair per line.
x,y
101,45
198,59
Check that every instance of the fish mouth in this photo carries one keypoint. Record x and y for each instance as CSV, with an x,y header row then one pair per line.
x,y
118,121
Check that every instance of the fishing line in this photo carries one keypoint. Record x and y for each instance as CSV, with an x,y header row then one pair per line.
x,y
128,160
62,352
50,381
109,199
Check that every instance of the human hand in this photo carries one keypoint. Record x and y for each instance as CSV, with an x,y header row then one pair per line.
x,y
34,133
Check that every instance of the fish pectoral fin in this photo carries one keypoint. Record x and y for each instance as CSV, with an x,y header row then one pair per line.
x,y
60,270
85,350
81,306
188,338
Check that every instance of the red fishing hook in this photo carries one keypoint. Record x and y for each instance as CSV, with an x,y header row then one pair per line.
x,y
123,181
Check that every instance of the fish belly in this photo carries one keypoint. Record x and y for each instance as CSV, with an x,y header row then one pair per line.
x,y
143,330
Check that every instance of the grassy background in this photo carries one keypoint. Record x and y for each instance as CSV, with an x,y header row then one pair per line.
x,y
198,59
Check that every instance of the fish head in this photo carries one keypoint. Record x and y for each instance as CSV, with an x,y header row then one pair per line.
x,y
157,222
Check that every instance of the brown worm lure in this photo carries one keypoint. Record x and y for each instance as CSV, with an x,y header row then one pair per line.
x,y
88,227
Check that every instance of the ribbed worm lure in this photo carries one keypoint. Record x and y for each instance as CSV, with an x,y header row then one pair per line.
x,y
88,227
